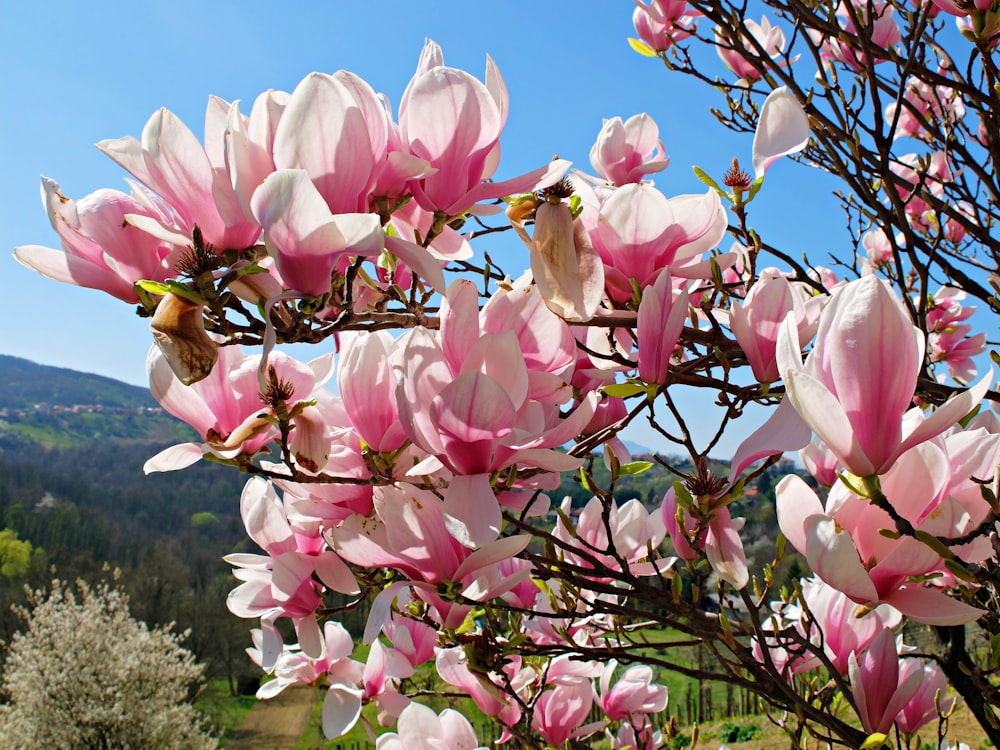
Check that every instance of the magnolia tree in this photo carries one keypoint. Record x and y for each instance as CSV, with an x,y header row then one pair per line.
x,y
463,394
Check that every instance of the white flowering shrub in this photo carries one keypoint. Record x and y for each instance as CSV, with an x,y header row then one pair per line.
x,y
86,674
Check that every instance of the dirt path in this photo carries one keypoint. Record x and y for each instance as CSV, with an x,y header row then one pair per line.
x,y
277,723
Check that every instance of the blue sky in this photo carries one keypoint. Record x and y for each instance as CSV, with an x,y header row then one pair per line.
x,y
77,73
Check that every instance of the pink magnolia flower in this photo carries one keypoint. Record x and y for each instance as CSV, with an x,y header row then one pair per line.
x,y
929,699
412,639
923,104
453,667
858,381
228,411
633,696
980,26
192,182
293,666
306,239
663,23
628,151
956,348
634,531
351,683
335,129
963,8
420,728
630,737
468,399
453,122
100,248
840,625
919,182
638,232
843,546
755,322
880,691
409,534
877,246
714,531
884,32
949,339
830,622
280,583
770,38
561,709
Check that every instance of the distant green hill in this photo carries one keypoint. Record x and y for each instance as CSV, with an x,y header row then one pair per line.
x,y
56,407
27,384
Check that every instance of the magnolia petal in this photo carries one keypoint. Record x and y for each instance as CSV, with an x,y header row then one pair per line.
x,y
310,636
52,264
946,415
174,458
932,606
821,410
492,553
341,710
248,560
537,179
724,551
830,552
270,689
795,503
545,458
783,431
264,518
251,598
782,129
272,643
471,511
333,572
419,260
382,608
157,229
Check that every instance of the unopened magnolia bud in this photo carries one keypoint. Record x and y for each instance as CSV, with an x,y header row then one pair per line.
x,y
179,331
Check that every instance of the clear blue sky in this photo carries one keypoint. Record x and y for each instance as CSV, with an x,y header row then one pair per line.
x,y
76,73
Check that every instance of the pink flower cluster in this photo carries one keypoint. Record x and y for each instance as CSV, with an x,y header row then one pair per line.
x,y
312,170
887,686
